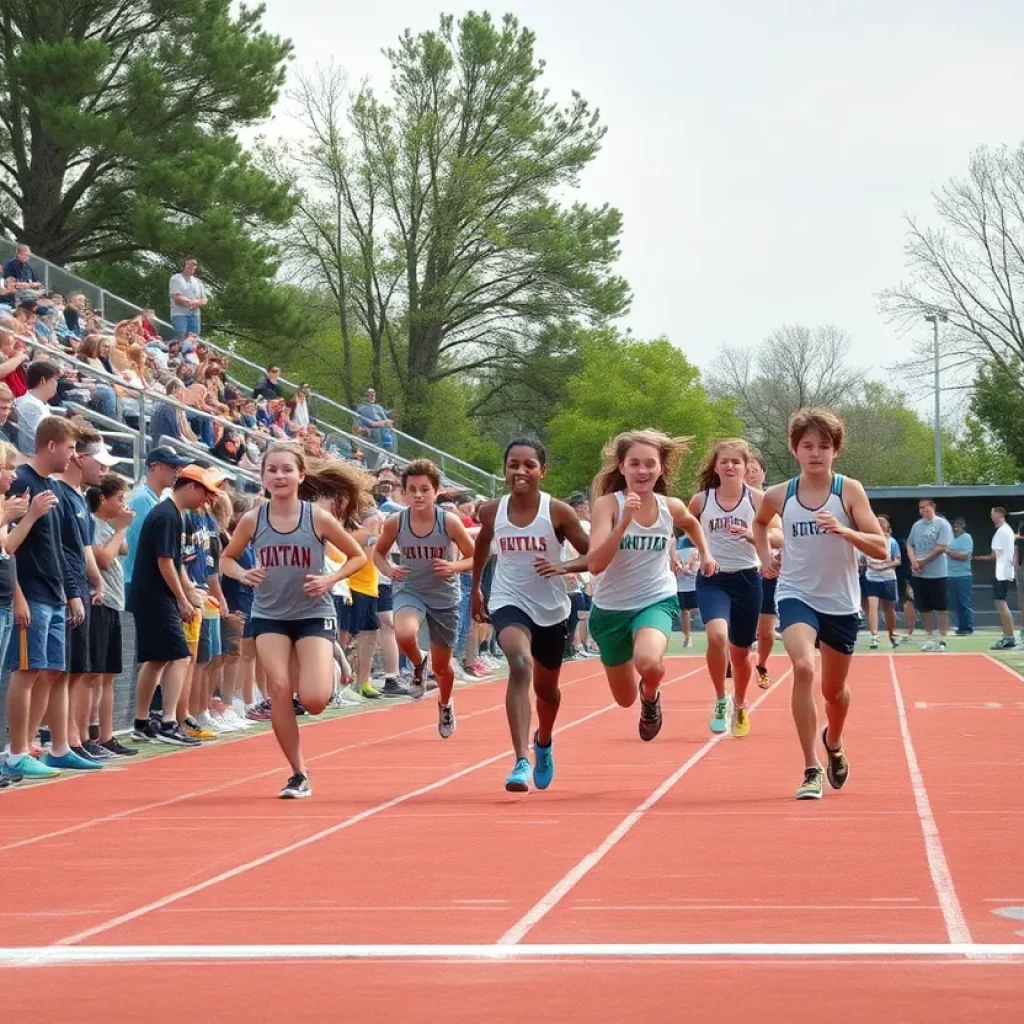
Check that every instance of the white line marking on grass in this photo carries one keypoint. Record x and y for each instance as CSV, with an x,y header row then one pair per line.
x,y
56,956
346,823
942,879
1006,668
568,882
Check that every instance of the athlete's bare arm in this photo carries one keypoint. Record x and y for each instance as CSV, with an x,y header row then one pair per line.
x,y
768,515
567,526
244,532
458,533
486,514
605,532
381,550
868,536
686,521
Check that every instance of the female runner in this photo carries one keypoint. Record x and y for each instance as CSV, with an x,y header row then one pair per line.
x,y
631,541
292,612
528,604
768,619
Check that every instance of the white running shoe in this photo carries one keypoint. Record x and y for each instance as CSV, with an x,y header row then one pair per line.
x,y
446,719
207,721
231,718
928,646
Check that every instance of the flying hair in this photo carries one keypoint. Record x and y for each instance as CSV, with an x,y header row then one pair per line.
x,y
708,479
671,452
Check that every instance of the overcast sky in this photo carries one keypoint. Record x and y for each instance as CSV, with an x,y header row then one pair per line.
x,y
763,153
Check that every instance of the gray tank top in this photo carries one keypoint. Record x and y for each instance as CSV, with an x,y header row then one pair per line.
x,y
289,558
418,554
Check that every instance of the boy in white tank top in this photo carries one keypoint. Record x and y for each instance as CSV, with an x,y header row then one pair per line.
x,y
826,520
528,603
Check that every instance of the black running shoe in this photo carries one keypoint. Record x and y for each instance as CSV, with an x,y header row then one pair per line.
x,y
85,755
393,688
838,769
144,733
297,705
171,734
118,749
297,788
97,751
650,716
418,685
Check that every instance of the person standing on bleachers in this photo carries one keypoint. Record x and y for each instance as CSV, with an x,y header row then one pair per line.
x,y
188,296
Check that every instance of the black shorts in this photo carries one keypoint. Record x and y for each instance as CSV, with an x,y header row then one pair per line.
x,y
687,600
160,635
884,590
735,597
360,616
105,641
768,596
385,598
836,631
296,629
930,595
1000,588
547,643
76,644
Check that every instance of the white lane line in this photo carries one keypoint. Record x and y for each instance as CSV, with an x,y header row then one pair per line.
x,y
196,794
670,909
1006,668
568,882
52,956
346,823
942,879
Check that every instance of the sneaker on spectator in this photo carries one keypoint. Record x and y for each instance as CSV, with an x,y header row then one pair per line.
x,y
97,751
232,717
257,714
482,669
193,730
462,673
71,762
208,723
117,748
28,767
392,688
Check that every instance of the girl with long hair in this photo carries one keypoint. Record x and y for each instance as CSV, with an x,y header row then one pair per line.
x,y
631,541
292,613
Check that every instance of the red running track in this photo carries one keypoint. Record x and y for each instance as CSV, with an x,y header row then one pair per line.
x,y
412,840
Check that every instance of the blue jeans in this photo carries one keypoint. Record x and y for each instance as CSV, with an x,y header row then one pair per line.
x,y
185,323
41,645
465,613
104,400
960,603
6,629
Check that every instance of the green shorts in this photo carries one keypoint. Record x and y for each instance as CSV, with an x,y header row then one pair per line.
x,y
613,632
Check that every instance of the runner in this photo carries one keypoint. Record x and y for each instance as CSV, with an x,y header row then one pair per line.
x,y
768,619
880,587
528,605
426,584
292,612
686,566
730,600
826,520
632,537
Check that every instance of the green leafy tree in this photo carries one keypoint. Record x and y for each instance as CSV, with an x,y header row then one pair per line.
x,y
974,456
119,147
626,385
998,405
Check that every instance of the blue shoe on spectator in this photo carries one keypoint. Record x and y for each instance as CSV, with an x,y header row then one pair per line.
x,y
71,762
27,767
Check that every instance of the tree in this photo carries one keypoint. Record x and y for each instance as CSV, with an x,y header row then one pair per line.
x,y
794,367
975,457
971,267
118,143
626,385
997,404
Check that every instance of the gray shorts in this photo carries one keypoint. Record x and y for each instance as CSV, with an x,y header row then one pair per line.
x,y
442,623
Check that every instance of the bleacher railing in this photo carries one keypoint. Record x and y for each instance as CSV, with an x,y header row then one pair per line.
x,y
324,410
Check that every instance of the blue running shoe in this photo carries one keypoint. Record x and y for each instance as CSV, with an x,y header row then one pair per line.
x,y
71,762
518,780
543,763
28,767
720,715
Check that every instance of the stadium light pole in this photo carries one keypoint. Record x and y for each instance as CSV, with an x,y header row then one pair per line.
x,y
935,319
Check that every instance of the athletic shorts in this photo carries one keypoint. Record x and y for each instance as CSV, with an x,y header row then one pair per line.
x,y
768,596
210,645
192,629
296,629
735,597
613,632
1000,588
230,635
361,616
41,645
884,590
385,598
547,643
105,655
930,594
836,631
76,646
442,623
160,634
687,600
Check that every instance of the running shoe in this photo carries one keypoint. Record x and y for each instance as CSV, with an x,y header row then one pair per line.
x,y
297,787
393,688
81,752
144,733
175,735
117,748
418,685
460,671
9,774
838,766
873,646
72,762
369,692
193,729
445,719
1004,644
929,646
28,767
740,723
763,679
810,788
720,715
97,751
894,640
650,716
543,763
942,647
518,780
297,707
687,644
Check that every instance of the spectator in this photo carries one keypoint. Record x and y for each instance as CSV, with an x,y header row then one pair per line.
x,y
33,405
373,423
74,313
960,551
9,292
298,409
168,420
1002,555
269,388
188,296
22,271
12,368
147,326
8,430
926,548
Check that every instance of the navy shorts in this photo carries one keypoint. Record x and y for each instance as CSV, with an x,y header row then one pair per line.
x,y
296,629
385,598
735,597
884,590
547,643
931,594
580,601
687,600
768,596
360,616
836,631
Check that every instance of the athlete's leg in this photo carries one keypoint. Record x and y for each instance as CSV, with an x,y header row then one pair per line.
x,y
315,676
717,632
873,617
685,616
55,711
1005,618
441,664
514,641
388,643
741,672
366,644
648,653
275,654
407,631
835,667
549,699
765,638
798,640
622,680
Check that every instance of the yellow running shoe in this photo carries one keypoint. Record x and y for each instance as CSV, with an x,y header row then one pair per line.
x,y
369,692
740,722
190,727
763,679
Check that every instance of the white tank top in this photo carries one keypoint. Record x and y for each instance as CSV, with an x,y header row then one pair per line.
x,y
640,573
516,582
819,569
733,554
